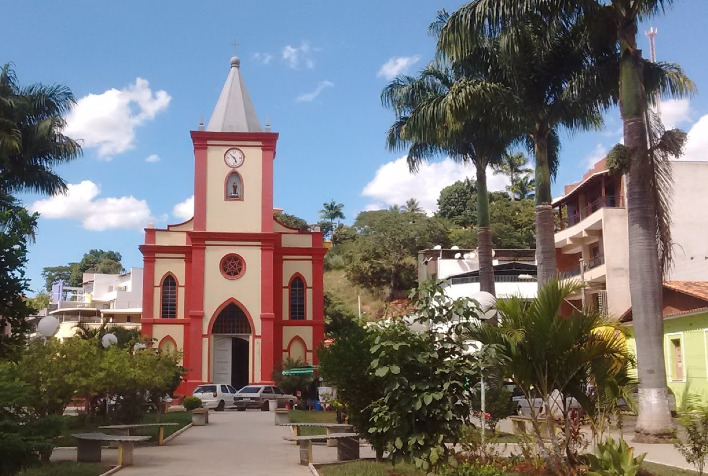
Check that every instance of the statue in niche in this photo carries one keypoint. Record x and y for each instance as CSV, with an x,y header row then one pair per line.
x,y
234,190
234,186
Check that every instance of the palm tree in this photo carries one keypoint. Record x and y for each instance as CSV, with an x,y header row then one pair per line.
x,y
332,211
31,139
553,355
524,187
514,167
540,62
428,123
642,155
412,206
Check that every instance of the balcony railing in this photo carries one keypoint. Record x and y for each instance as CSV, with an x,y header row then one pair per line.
x,y
523,278
596,261
592,263
609,201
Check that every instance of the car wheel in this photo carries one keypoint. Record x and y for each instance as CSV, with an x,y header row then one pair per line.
x,y
240,409
264,406
220,407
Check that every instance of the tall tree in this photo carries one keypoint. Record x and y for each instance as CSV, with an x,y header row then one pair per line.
x,y
429,123
540,63
31,139
412,206
645,149
514,167
332,211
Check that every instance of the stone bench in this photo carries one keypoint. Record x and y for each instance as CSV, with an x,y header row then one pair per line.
x,y
88,447
524,426
124,430
347,446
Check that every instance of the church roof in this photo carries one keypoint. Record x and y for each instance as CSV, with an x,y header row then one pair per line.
x,y
234,111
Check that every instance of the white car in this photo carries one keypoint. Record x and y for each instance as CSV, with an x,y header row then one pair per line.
x,y
215,395
257,396
524,408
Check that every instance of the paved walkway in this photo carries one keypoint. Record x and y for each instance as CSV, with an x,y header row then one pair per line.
x,y
249,443
232,443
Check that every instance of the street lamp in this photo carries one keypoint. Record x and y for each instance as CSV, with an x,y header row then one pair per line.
x,y
48,326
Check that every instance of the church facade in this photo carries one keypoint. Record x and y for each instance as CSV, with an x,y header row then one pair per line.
x,y
234,289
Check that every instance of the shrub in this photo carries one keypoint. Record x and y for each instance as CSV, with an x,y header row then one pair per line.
x,y
473,469
614,458
498,404
695,447
192,403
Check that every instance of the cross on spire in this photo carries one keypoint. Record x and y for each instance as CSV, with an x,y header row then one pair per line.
x,y
235,45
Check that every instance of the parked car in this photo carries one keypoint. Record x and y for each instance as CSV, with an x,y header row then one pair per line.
x,y
257,396
215,395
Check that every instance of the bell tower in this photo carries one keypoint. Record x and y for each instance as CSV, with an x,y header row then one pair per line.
x,y
233,179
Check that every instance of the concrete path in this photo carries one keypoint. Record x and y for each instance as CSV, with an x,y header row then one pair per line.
x,y
232,443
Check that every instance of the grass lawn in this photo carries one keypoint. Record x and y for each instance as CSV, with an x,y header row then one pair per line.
x,y
371,468
304,416
67,467
73,426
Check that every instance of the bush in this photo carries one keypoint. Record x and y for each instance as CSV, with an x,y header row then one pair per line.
x,y
192,403
498,404
474,469
614,458
695,447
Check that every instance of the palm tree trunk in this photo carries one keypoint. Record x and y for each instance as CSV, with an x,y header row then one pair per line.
x,y
484,234
645,283
545,223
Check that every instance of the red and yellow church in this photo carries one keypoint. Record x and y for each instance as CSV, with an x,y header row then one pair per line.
x,y
233,288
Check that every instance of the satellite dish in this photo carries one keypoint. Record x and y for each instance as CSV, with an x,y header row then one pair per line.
x,y
48,326
473,255
493,253
454,247
437,247
139,346
458,255
109,340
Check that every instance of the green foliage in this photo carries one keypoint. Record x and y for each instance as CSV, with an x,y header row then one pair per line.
x,y
473,469
384,254
291,383
694,447
614,458
96,261
338,320
40,301
62,468
53,274
191,403
345,364
26,437
16,229
497,403
513,223
291,220
425,404
458,203
619,159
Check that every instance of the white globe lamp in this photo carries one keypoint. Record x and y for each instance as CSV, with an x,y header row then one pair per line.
x,y
109,340
48,326
487,304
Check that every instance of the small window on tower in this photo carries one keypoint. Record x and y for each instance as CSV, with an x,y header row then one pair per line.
x,y
234,187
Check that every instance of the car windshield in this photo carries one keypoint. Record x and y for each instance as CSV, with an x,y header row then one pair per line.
x,y
205,389
250,390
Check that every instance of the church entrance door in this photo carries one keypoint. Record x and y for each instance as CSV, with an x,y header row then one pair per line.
x,y
230,350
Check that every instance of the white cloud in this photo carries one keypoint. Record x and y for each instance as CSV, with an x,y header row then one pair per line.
x,y
599,153
184,210
675,112
321,86
263,58
393,184
397,65
108,121
81,203
152,158
697,144
297,56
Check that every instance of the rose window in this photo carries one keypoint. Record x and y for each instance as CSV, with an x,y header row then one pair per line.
x,y
232,266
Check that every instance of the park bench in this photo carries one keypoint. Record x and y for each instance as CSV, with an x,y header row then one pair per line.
x,y
88,447
125,429
330,428
523,425
347,446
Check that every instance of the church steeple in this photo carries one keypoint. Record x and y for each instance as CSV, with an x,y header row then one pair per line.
x,y
234,111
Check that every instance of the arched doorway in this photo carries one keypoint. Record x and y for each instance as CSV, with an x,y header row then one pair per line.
x,y
231,335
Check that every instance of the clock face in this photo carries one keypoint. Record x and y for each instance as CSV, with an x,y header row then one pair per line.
x,y
233,158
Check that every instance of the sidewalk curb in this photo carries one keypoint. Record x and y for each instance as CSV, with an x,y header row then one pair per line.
x,y
112,470
176,433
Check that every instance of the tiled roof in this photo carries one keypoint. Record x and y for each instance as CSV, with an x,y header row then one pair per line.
x,y
697,289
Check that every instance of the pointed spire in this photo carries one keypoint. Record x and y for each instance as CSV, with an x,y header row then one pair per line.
x,y
234,111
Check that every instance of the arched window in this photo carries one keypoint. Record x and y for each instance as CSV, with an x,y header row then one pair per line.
x,y
169,298
231,320
234,187
297,299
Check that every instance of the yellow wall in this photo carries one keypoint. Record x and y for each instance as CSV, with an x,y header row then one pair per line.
x,y
233,215
297,241
170,238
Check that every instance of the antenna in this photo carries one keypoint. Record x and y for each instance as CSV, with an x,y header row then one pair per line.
x,y
651,34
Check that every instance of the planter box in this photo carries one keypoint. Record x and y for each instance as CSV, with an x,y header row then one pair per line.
x,y
200,417
281,417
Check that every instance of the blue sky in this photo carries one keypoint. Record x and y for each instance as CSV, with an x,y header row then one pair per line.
x,y
144,73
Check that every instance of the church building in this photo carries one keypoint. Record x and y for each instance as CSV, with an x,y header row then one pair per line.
x,y
234,289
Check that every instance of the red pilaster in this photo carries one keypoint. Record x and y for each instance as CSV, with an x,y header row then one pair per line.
x,y
267,315
196,314
317,301
199,139
267,183
148,292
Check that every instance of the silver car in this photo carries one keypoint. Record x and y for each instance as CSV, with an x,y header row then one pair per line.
x,y
257,396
